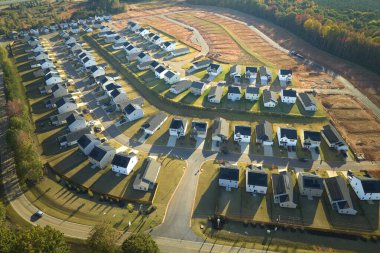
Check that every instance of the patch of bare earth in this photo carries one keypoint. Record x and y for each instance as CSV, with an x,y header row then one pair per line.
x,y
359,127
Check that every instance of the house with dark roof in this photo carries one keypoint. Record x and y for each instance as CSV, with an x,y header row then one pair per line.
x,y
97,71
308,101
133,112
146,179
339,195
154,64
132,26
171,77
72,138
220,130
235,73
143,32
288,96
216,93
59,90
144,65
198,65
234,93
118,96
251,74
101,155
333,138
143,57
310,184
283,194
160,71
75,122
198,88
52,78
154,123
180,86
66,105
256,180
264,133
229,177
178,52
242,134
252,93
214,69
285,76
199,129
157,40
310,139
178,127
87,142
60,119
287,136
104,80
168,46
269,98
123,163
265,75
366,188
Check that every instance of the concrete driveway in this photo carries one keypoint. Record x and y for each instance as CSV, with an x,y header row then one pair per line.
x,y
314,155
200,143
244,147
268,150
214,146
172,141
292,155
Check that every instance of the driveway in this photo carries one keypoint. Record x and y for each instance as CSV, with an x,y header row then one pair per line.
x,y
314,155
200,143
268,150
244,147
172,141
214,146
292,155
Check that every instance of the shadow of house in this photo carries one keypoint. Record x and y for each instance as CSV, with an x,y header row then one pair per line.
x,y
70,162
84,174
108,181
208,202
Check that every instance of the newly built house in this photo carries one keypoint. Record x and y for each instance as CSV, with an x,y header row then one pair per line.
x,y
283,194
339,195
101,155
256,180
287,136
220,130
229,177
365,187
310,185
154,123
124,163
264,133
146,179
242,134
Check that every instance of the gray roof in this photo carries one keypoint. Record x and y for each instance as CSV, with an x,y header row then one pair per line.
x,y
197,85
99,151
269,96
311,181
151,170
264,71
154,121
283,185
338,191
229,173
72,118
370,185
312,135
216,92
220,127
61,116
307,99
74,136
234,90
332,135
252,90
181,85
203,63
264,131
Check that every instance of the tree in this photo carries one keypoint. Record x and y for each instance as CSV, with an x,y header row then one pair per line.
x,y
103,239
140,243
2,214
7,239
38,239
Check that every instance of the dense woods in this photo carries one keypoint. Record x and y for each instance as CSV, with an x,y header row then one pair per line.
x,y
20,131
351,34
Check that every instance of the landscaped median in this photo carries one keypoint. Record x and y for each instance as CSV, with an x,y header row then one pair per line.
x,y
178,108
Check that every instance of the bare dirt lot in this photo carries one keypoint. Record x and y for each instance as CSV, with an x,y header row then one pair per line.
x,y
358,126
177,31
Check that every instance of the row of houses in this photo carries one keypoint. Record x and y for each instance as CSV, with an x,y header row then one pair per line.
x,y
310,185
102,155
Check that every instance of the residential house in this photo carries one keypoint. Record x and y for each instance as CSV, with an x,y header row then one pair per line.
x,y
88,62
269,99
60,119
199,129
339,195
87,142
282,185
310,139
119,39
44,64
265,75
111,86
308,101
101,155
124,163
180,86
38,56
157,40
75,122
72,138
214,69
256,180
66,105
242,134
264,133
154,123
132,50
234,93
133,112
178,127
288,96
70,40
171,77
97,71
229,177
216,93
143,32
285,76
333,138
160,71
252,93
132,26
154,64
287,136
235,73
178,52
143,57
118,96
220,130
251,74
51,79
199,65
168,46
198,88
366,188
75,46
104,29
104,80
144,65
310,185
59,90
146,180
37,48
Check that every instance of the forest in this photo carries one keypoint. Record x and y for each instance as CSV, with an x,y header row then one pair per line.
x,y
352,33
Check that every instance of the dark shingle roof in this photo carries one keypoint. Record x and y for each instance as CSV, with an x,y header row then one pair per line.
x,y
130,108
256,177
332,134
243,130
334,188
114,93
178,123
234,90
160,69
121,160
229,173
289,93
197,85
251,69
264,131
312,181
307,99
199,126
370,185
86,139
169,74
99,151
72,118
285,72
153,122
289,133
268,96
252,90
312,135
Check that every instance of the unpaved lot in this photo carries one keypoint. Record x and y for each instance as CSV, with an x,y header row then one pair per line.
x,y
359,127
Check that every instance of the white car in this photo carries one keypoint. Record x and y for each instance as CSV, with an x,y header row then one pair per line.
x,y
39,213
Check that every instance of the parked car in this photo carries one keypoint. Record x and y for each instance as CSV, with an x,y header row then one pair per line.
x,y
97,129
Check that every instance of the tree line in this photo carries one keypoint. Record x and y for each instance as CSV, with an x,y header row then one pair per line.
x,y
313,24
28,162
